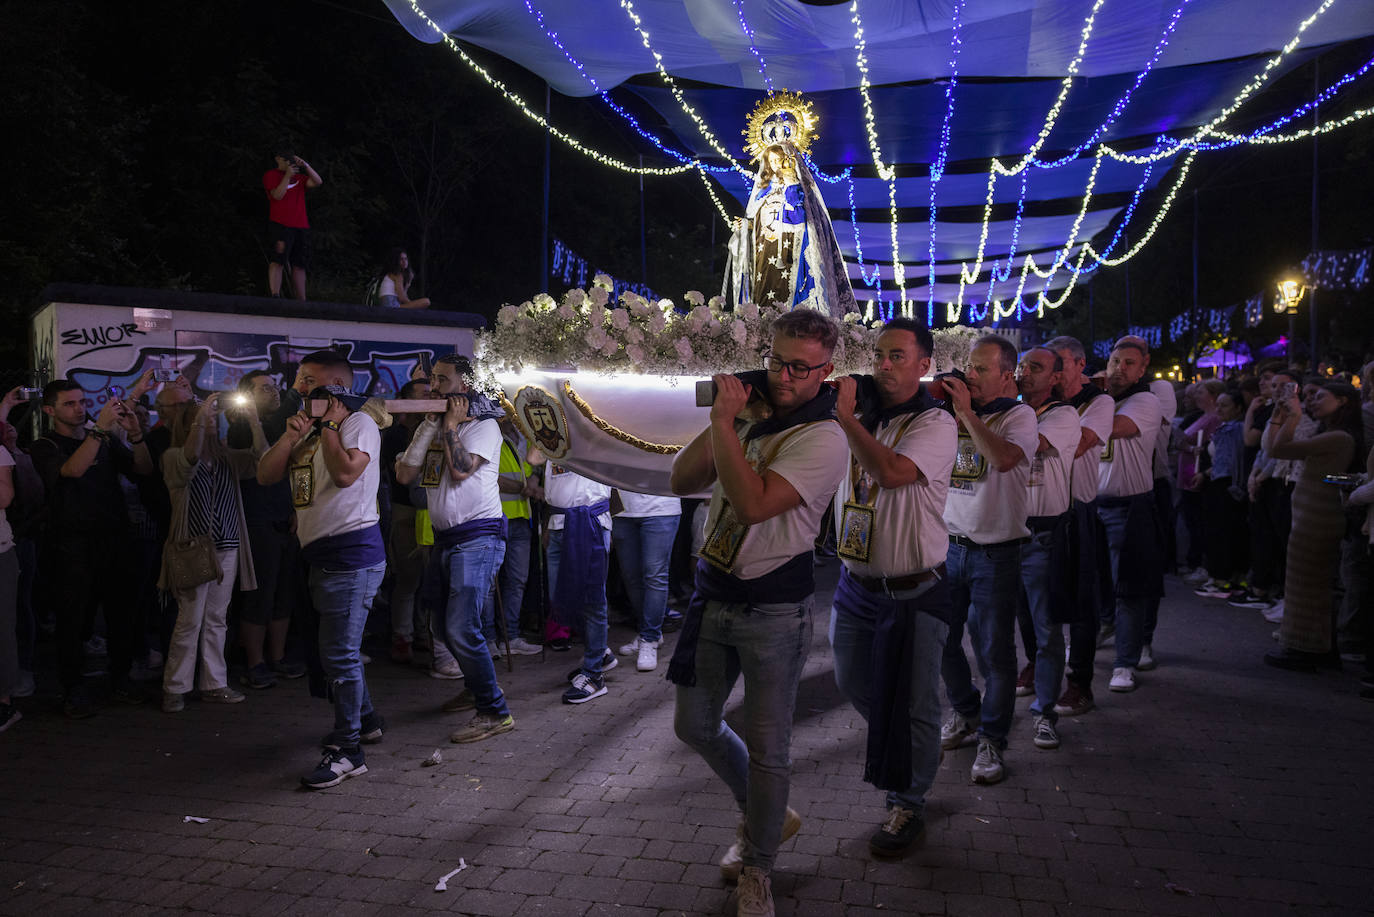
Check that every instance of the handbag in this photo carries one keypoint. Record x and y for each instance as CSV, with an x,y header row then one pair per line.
x,y
190,559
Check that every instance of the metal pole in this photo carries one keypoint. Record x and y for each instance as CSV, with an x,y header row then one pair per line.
x,y
1092,328
1316,176
1192,352
643,246
1127,239
544,232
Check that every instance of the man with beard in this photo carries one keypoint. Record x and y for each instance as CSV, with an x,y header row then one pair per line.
x,y
1125,503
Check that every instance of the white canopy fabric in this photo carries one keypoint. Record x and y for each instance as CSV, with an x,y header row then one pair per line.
x,y
1012,58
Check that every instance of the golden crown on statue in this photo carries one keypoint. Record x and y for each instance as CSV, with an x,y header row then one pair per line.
x,y
783,117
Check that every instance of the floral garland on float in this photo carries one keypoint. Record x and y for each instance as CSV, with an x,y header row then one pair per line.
x,y
605,388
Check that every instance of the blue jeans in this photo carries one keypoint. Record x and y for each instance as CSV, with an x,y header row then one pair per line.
x,y
984,583
1132,614
472,568
851,637
1049,636
593,615
768,645
342,599
645,545
515,571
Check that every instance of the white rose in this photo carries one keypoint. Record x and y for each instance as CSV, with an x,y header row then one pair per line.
x,y
694,297
544,301
635,353
599,296
507,315
620,319
684,350
739,331
603,281
610,348
634,336
749,311
716,302
575,296
657,322
666,305
566,311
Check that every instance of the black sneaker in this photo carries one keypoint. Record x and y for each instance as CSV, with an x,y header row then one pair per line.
x,y
672,621
337,765
258,677
902,828
608,662
373,728
9,715
77,704
371,731
584,689
560,644
127,692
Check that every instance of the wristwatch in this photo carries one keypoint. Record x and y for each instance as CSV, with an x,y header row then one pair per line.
x,y
329,425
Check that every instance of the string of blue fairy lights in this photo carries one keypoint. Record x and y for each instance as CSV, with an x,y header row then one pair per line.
x,y
937,169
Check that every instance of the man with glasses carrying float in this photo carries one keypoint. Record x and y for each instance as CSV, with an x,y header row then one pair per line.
x,y
892,605
770,480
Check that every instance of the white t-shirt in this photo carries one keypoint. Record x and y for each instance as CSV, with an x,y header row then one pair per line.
x,y
387,287
1127,465
1048,481
566,489
6,533
338,510
1097,416
986,505
637,506
476,497
812,460
909,533
1168,406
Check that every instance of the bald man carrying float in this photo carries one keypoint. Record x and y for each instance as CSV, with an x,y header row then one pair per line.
x,y
1125,503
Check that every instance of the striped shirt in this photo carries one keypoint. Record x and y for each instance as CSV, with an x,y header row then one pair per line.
x,y
210,507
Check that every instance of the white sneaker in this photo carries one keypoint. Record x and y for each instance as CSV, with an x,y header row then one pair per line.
x,y
630,649
648,656
446,669
754,898
733,861
522,647
955,730
1147,658
1274,613
1123,679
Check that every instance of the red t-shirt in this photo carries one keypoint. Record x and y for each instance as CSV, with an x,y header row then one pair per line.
x,y
290,210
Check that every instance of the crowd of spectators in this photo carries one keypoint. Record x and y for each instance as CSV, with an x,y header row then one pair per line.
x,y
1019,495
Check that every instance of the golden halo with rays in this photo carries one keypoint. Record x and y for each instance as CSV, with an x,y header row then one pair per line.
x,y
781,116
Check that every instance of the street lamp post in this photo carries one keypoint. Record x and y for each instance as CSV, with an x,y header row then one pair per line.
x,y
1286,302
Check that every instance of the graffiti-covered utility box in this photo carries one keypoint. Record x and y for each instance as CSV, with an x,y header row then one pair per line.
x,y
105,337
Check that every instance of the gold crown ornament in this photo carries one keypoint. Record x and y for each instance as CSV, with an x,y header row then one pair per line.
x,y
783,117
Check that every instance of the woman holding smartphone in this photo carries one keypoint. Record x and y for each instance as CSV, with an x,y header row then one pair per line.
x,y
202,475
1305,635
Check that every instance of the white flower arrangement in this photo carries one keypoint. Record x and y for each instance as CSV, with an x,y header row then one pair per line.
x,y
584,331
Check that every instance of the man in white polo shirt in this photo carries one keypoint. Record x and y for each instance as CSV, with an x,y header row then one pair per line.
x,y
469,535
1125,503
892,605
1095,409
331,465
750,615
1043,569
986,518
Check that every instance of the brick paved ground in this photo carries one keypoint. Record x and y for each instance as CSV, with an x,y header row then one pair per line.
x,y
1220,787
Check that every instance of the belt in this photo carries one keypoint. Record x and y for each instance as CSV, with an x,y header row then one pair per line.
x,y
970,543
887,585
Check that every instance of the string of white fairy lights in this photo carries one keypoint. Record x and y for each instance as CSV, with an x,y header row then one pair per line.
x,y
1166,148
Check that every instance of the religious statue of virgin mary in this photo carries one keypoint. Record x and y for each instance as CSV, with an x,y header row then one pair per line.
x,y
783,251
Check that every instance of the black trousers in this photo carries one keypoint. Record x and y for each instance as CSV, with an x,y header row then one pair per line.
x,y
93,572
1271,516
